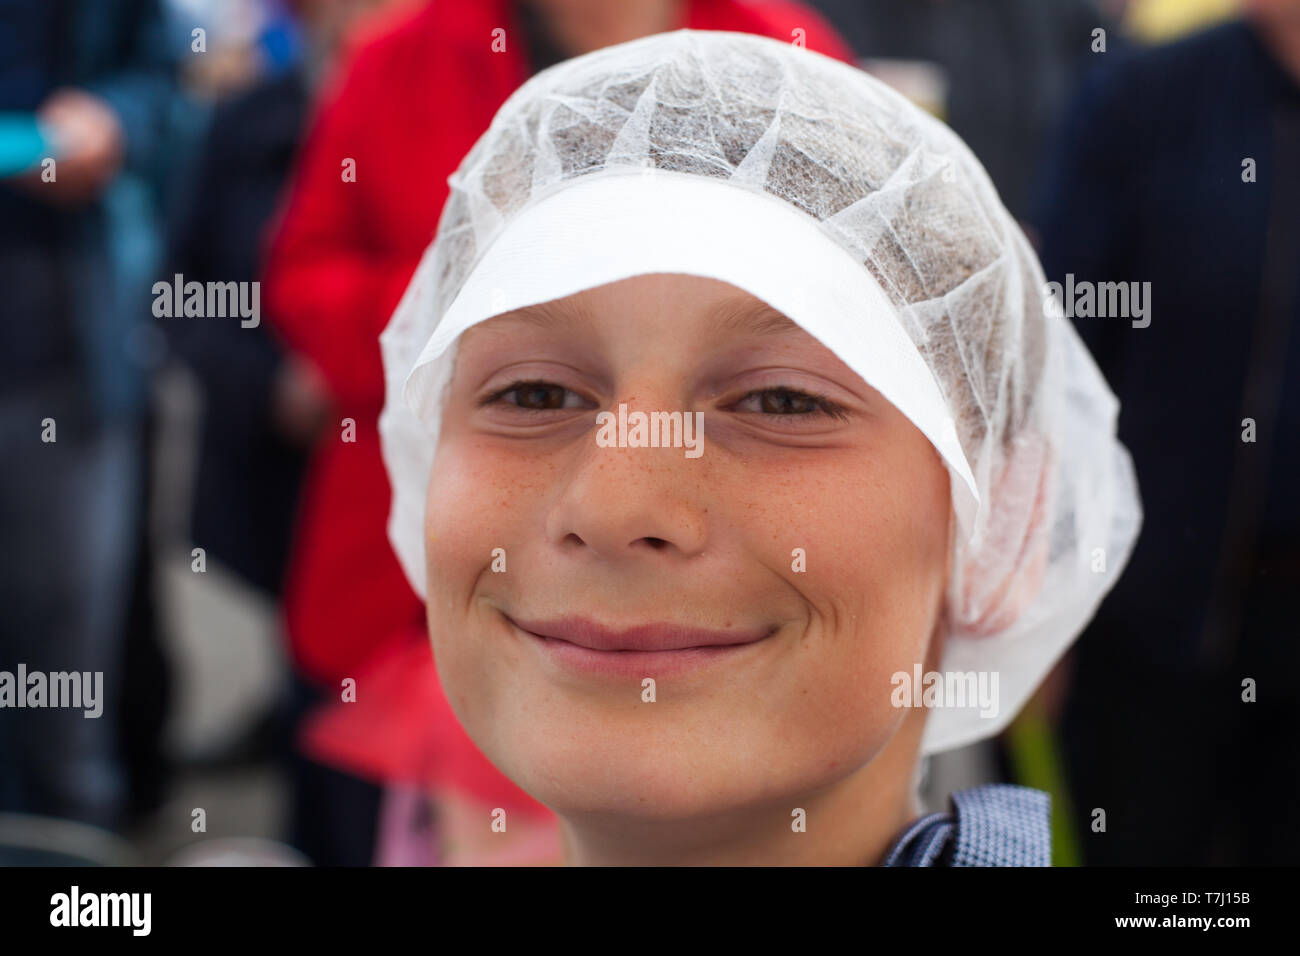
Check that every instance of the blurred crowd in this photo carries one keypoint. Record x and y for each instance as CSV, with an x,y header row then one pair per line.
x,y
301,148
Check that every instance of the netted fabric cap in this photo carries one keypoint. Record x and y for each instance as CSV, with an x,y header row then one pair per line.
x,y
821,191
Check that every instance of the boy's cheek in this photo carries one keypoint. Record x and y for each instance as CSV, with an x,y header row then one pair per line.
x,y
839,714
867,573
468,514
868,620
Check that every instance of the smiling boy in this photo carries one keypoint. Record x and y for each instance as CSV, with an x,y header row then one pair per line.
x,y
691,659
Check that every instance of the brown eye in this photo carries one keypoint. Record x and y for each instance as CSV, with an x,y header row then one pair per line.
x,y
539,397
781,402
790,402
535,397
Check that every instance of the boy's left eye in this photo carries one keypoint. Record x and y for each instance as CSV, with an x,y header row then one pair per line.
x,y
791,402
779,402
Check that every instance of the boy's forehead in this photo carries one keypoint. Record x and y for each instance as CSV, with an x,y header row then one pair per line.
x,y
728,312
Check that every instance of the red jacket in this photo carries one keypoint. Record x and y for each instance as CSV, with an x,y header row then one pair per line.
x,y
408,106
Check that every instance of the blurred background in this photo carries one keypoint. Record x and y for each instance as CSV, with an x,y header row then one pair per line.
x,y
178,513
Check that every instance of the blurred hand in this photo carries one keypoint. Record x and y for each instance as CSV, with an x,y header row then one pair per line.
x,y
300,401
89,146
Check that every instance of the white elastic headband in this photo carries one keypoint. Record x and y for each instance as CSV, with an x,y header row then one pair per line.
x,y
617,225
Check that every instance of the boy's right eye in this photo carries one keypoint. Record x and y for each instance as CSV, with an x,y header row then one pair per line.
x,y
536,396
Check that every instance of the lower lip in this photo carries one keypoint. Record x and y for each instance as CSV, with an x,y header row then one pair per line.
x,y
632,665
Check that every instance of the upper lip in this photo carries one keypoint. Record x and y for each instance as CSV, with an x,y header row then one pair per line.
x,y
642,637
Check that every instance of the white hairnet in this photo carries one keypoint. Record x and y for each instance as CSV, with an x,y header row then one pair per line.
x,y
821,191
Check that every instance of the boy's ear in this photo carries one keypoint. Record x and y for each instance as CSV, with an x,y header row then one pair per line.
x,y
1004,579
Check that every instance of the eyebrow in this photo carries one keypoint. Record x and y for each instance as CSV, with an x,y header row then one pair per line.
x,y
548,315
733,316
752,316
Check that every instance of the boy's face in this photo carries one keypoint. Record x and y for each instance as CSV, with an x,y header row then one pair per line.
x,y
817,540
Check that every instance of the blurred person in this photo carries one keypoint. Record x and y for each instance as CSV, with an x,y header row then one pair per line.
x,y
243,41
1180,168
263,406
77,252
409,105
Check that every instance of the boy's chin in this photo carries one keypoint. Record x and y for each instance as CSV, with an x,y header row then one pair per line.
x,y
670,790
608,802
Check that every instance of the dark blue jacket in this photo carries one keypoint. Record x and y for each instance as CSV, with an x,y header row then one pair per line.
x,y
93,266
248,476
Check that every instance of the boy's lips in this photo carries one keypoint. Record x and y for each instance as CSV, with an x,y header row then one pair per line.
x,y
643,637
585,647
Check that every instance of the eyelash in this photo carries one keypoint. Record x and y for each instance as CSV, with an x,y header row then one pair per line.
x,y
824,405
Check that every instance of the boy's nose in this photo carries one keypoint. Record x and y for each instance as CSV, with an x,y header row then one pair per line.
x,y
628,502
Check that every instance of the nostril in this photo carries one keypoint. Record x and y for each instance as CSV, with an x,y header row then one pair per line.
x,y
656,543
